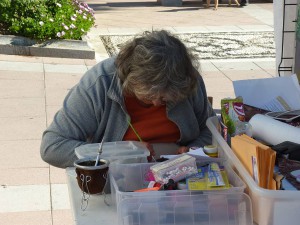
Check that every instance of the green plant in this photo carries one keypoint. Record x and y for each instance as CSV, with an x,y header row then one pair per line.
x,y
47,19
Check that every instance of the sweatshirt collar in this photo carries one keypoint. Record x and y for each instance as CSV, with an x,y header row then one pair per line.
x,y
115,90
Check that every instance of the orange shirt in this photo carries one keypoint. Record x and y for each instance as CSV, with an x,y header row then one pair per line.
x,y
150,122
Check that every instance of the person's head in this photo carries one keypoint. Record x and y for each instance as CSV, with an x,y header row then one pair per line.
x,y
156,68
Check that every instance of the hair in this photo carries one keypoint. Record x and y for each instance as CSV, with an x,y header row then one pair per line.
x,y
157,63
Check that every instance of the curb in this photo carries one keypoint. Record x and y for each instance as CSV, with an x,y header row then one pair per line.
x,y
16,45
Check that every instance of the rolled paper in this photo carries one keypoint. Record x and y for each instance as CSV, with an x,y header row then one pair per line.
x,y
272,131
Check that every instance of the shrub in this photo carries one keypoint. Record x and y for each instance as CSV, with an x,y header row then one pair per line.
x,y
47,19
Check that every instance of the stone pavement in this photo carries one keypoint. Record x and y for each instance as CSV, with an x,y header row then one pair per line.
x,y
32,90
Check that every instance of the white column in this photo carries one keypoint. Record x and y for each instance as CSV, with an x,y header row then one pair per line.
x,y
289,39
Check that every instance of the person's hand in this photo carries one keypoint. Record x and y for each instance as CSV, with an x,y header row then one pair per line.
x,y
182,149
151,150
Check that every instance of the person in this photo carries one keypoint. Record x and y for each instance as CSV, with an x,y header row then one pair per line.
x,y
243,3
150,92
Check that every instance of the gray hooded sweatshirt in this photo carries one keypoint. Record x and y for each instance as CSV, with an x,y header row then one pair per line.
x,y
95,107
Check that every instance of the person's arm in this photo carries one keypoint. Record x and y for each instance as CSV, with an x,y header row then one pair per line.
x,y
203,110
72,126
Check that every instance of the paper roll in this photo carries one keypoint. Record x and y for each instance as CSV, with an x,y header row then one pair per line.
x,y
273,131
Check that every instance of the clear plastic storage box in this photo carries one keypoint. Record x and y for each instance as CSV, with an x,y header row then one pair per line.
x,y
126,178
270,207
127,150
206,209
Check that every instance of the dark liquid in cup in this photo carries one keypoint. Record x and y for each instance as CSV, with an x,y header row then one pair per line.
x,y
90,178
91,163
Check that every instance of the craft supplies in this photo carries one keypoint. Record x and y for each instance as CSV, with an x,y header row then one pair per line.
x,y
196,151
148,189
232,112
176,169
210,177
215,178
269,206
285,116
273,131
181,185
258,159
289,169
296,175
211,150
171,185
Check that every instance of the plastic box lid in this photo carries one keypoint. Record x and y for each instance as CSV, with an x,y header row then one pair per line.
x,y
270,207
213,209
114,150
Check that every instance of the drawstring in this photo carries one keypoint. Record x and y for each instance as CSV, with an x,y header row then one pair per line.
x,y
138,136
136,133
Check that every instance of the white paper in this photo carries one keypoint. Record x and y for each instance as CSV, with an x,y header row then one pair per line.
x,y
168,156
195,152
264,93
198,152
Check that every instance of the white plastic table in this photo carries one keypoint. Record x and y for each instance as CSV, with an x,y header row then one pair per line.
x,y
97,212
